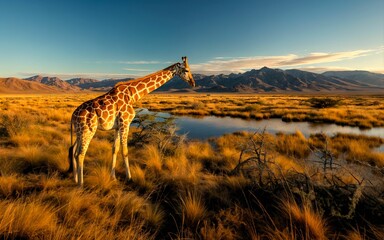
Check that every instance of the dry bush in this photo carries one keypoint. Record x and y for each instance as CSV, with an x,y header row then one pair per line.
x,y
323,102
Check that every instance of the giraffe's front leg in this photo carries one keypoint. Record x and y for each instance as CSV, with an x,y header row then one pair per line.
x,y
115,150
124,142
80,167
75,176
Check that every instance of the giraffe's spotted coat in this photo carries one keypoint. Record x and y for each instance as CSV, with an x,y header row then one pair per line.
x,y
114,110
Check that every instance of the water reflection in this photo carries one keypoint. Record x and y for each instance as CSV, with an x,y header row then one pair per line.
x,y
379,149
211,126
202,128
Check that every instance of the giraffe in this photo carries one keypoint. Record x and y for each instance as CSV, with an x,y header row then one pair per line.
x,y
114,110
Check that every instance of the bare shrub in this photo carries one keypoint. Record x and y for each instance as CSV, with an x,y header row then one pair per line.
x,y
255,159
161,131
324,102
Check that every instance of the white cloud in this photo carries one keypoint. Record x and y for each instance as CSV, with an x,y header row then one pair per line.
x,y
323,69
241,64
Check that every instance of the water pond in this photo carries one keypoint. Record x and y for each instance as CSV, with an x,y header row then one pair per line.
x,y
211,126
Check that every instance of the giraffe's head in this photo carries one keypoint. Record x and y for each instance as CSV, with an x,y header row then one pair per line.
x,y
185,73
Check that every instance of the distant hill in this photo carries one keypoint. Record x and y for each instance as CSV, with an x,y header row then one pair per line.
x,y
253,81
363,77
101,85
16,85
272,80
54,82
81,82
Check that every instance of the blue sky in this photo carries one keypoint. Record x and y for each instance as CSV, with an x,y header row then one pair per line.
x,y
113,39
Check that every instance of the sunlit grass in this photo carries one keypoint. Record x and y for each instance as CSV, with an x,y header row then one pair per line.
x,y
305,222
363,111
26,220
192,208
191,192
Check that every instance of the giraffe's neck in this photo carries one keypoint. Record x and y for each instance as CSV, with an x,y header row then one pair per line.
x,y
140,87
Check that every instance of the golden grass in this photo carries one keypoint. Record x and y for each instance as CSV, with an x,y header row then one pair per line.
x,y
10,185
141,177
362,111
200,150
191,192
294,145
100,179
305,223
192,208
153,159
26,220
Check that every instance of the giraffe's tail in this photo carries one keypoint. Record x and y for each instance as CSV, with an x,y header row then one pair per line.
x,y
71,153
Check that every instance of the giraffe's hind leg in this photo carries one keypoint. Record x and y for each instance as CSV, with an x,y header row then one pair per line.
x,y
115,150
73,162
124,144
82,148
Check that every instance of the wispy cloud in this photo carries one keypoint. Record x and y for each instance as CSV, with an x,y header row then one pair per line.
x,y
136,70
324,69
143,62
139,62
241,64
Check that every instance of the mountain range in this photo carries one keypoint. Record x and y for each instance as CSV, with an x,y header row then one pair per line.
x,y
277,80
253,81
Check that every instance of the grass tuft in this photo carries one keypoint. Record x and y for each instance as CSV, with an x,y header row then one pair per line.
x,y
192,208
26,220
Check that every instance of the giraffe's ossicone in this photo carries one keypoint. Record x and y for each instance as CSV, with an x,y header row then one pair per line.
x,y
114,110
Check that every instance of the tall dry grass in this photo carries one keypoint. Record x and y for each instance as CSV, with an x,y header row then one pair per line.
x,y
190,189
362,111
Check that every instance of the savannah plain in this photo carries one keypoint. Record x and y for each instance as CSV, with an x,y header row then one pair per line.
x,y
245,185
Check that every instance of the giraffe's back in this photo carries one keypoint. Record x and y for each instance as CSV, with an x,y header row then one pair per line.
x,y
104,112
